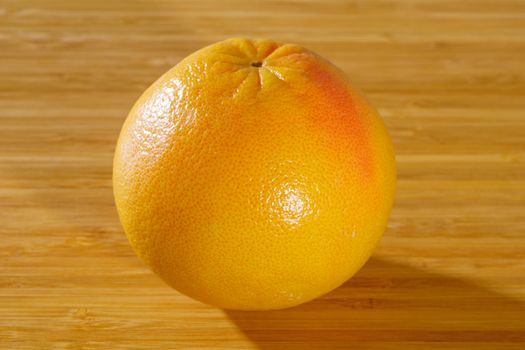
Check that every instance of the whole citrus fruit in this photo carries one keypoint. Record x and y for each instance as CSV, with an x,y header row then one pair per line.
x,y
252,176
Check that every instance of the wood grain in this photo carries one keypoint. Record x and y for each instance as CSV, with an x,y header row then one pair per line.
x,y
449,79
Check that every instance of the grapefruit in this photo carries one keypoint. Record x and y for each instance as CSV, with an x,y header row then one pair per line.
x,y
253,176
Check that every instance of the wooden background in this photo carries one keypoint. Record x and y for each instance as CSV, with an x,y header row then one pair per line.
x,y
449,79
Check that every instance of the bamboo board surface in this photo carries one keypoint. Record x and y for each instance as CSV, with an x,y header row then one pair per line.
x,y
447,76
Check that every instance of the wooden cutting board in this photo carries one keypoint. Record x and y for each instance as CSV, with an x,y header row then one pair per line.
x,y
447,76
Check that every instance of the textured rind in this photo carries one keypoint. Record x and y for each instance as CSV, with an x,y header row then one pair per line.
x,y
253,187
